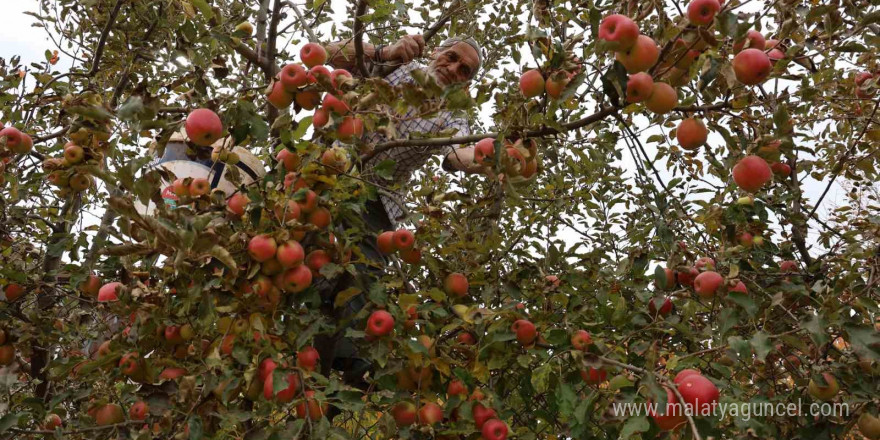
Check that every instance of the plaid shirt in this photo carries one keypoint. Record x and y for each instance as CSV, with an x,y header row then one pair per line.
x,y
409,159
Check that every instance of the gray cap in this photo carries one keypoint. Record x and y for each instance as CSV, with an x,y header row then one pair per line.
x,y
452,41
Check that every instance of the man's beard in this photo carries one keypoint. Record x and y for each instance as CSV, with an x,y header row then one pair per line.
x,y
432,70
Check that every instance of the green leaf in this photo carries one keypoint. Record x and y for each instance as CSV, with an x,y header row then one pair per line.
x,y
8,421
816,327
541,377
385,169
634,425
865,341
204,8
761,343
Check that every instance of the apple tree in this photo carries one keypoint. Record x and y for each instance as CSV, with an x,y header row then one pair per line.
x,y
676,204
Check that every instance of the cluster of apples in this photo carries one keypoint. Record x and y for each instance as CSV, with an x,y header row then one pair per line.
x,y
699,394
755,57
519,160
637,53
863,84
582,341
67,172
7,349
12,141
754,171
533,84
702,277
401,240
297,84
430,413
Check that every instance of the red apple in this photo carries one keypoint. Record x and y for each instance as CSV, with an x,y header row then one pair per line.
x,y
403,239
73,153
665,308
404,414
411,256
639,87
788,266
139,410
262,248
706,262
350,128
313,54
494,430
456,285
673,415
430,414
482,414
751,173
307,99
307,358
581,340
130,364
663,98
740,287
199,186
754,39
618,32
237,203
380,323
781,169
707,283
79,182
691,133
752,66
320,118
203,127
484,151
824,392
700,393
385,242
641,56
51,422
319,74
556,84
278,96
456,387
294,76
108,292
320,217
91,285
289,159
340,78
594,376
531,83
683,374
702,12
686,277
335,105
526,333
13,291
285,395
309,202
109,414
290,254
294,280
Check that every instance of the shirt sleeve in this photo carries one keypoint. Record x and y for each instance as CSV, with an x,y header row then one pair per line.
x,y
462,129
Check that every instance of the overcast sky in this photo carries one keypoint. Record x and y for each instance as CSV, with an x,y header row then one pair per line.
x,y
18,37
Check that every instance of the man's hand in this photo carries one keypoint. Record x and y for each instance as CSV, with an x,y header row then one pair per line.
x,y
405,50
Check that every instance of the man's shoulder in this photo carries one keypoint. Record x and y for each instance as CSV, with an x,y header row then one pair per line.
x,y
404,72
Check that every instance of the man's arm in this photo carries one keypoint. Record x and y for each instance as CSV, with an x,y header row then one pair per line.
x,y
406,49
462,159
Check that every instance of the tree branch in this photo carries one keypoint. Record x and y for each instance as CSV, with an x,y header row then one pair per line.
x,y
99,52
842,159
359,38
437,142
302,20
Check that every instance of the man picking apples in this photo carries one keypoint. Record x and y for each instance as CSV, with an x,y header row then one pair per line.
x,y
455,61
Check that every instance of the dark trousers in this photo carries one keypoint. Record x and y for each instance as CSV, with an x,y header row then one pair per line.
x,y
338,352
